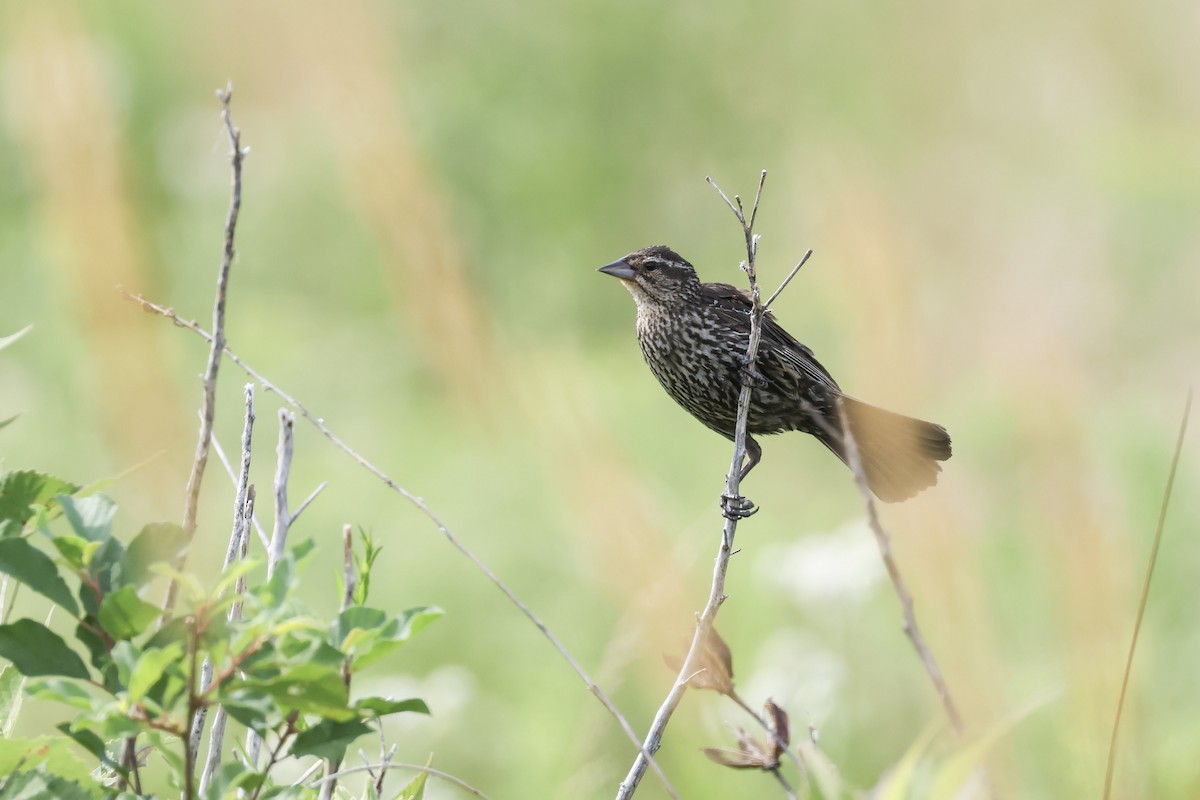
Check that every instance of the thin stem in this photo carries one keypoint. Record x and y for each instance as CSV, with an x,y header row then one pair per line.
x,y
716,594
786,281
435,773
1141,612
420,505
736,698
243,512
787,787
911,629
192,498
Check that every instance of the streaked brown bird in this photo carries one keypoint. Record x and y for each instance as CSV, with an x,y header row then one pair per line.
x,y
694,336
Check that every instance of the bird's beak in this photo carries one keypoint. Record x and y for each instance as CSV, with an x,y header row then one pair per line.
x,y
618,269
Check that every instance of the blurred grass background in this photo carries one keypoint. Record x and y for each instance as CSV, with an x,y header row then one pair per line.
x,y
1004,202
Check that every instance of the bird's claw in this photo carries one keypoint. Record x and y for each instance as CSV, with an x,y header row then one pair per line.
x,y
737,507
750,374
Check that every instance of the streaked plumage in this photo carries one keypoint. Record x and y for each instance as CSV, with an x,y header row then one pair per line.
x,y
694,337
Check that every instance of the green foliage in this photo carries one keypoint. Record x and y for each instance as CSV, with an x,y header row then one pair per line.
x,y
276,669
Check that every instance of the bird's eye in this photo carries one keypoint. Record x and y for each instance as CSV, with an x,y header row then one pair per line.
x,y
651,266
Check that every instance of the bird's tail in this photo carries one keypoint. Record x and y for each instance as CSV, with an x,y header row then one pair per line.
x,y
899,454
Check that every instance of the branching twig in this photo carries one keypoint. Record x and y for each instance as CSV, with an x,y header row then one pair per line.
x,y
787,280
1141,612
220,451
192,499
243,512
911,628
421,506
716,595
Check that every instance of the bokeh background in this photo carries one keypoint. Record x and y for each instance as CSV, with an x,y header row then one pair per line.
x,y
1004,201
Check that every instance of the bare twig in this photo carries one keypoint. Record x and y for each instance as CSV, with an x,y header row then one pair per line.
x,y
283,469
224,459
911,629
786,281
787,787
308,500
283,522
349,578
1141,612
716,595
239,538
459,782
192,499
319,424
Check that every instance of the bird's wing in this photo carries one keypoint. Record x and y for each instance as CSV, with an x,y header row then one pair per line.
x,y
733,307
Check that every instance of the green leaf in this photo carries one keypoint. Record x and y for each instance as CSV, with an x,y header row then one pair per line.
x,y
899,779
366,635
49,754
310,689
150,667
957,769
382,706
415,620
329,739
286,575
61,690
124,658
90,517
158,542
189,586
76,550
5,341
358,618
236,570
10,698
105,562
165,747
125,615
36,570
35,650
87,634
38,784
231,777
94,745
252,706
22,493
414,790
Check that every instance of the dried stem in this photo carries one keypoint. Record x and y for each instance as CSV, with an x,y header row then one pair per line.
x,y
716,595
283,469
319,424
766,726
1141,612
786,281
192,499
911,629
239,538
349,579
220,451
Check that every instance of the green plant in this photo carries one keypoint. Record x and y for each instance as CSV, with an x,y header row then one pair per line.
x,y
137,690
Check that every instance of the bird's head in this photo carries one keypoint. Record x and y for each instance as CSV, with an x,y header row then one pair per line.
x,y
655,275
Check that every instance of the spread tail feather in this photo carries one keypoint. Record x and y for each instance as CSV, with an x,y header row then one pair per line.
x,y
899,454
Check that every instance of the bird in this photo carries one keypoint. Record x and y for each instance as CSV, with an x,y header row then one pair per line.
x,y
694,337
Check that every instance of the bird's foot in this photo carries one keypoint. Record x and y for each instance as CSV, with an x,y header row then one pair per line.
x,y
750,373
737,507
